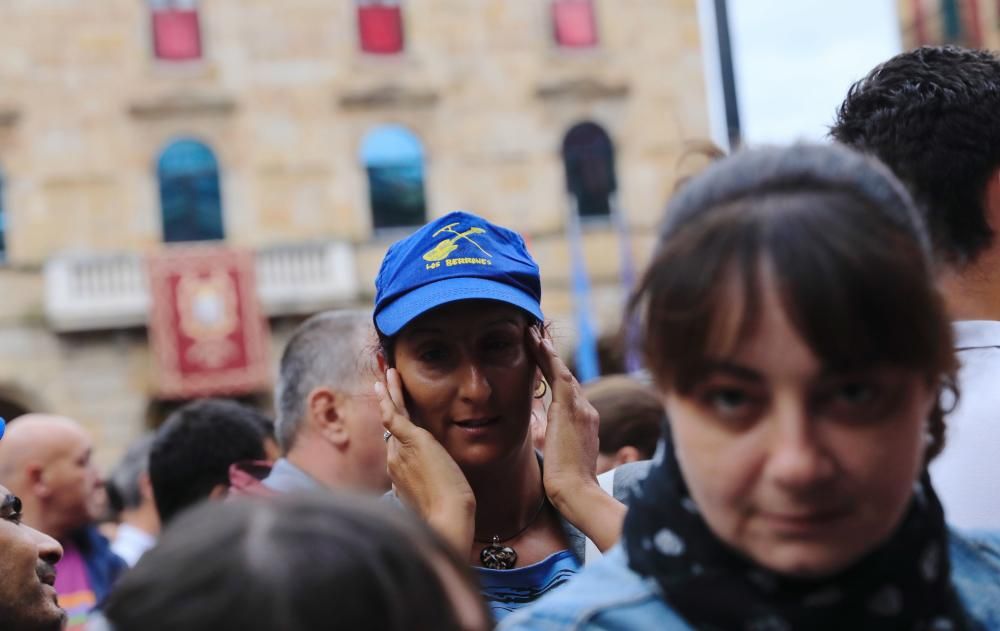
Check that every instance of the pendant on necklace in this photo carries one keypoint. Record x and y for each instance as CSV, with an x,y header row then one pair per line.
x,y
498,557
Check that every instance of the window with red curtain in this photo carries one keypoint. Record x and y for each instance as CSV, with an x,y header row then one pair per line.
x,y
176,30
380,26
574,23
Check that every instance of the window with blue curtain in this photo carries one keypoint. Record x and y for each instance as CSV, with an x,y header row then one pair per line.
x,y
190,199
589,160
394,160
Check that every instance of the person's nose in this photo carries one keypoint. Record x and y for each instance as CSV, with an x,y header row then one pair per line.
x,y
799,460
474,386
49,549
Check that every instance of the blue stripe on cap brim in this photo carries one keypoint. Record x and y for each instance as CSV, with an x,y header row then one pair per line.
x,y
400,312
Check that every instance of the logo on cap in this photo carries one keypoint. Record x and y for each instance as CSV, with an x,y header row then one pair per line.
x,y
444,248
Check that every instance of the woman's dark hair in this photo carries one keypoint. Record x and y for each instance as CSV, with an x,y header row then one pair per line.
x,y
296,563
631,414
841,238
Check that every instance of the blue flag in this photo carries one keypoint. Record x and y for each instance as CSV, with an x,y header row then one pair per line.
x,y
587,366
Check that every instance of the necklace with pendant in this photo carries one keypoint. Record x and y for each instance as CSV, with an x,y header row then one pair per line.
x,y
498,557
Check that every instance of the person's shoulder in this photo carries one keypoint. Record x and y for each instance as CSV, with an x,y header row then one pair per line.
x,y
975,573
624,479
976,552
976,334
977,343
95,547
604,595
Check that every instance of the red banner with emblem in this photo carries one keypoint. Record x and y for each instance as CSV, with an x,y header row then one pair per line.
x,y
207,331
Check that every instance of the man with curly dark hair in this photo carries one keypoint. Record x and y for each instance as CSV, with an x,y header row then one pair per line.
x,y
931,115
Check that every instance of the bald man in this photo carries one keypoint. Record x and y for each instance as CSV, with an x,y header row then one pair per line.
x,y
46,461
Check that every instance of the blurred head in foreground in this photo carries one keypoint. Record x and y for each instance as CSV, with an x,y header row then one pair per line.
x,y
297,563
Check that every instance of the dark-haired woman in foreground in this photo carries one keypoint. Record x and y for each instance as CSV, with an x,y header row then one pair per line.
x,y
801,348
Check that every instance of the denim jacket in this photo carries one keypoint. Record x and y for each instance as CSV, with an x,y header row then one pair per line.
x,y
610,595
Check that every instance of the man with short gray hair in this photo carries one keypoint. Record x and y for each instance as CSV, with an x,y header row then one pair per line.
x,y
329,424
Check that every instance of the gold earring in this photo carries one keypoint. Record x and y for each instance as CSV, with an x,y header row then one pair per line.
x,y
541,389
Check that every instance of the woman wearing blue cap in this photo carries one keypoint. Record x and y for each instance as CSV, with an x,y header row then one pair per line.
x,y
464,353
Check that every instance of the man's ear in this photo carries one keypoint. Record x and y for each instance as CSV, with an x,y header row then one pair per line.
x,y
325,417
34,475
992,200
383,363
627,454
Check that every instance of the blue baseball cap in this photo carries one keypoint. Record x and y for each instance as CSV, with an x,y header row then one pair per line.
x,y
457,257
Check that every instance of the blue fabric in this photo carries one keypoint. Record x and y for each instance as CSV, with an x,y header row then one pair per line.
x,y
508,590
609,595
588,367
104,567
457,257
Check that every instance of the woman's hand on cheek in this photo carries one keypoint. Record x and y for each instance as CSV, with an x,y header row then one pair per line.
x,y
571,432
423,474
571,451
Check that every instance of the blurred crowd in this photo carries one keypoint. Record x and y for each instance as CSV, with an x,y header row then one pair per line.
x,y
812,443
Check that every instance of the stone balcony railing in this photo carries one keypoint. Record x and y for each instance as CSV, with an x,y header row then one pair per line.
x,y
108,291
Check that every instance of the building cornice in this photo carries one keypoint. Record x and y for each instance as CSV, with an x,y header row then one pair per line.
x,y
387,96
581,89
181,105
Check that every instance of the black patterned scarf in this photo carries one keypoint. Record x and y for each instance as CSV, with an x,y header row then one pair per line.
x,y
904,584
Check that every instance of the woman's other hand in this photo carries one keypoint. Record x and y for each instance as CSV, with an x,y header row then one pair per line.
x,y
570,452
423,475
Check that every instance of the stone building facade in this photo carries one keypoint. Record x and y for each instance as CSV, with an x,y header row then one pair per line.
x,y
284,96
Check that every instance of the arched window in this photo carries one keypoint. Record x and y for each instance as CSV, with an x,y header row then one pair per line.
x,y
574,24
380,26
176,29
3,222
589,159
394,159
190,201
